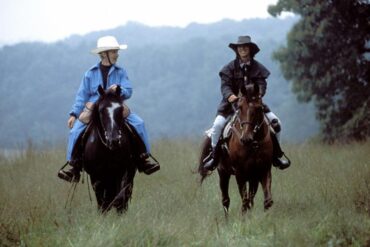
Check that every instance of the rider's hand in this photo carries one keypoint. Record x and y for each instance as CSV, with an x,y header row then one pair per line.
x,y
71,121
232,98
113,87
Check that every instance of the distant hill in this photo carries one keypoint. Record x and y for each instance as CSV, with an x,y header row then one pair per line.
x,y
174,73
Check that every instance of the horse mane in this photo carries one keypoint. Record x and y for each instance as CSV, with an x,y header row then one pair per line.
x,y
250,92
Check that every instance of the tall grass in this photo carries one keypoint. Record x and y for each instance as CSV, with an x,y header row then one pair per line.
x,y
322,200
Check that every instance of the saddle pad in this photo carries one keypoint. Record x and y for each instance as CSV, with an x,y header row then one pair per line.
x,y
227,130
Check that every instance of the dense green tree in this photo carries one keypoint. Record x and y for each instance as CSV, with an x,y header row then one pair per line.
x,y
327,59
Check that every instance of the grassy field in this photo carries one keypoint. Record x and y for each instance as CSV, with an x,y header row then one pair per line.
x,y
322,200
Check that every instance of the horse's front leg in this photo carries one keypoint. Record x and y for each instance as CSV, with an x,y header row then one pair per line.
x,y
266,185
224,186
242,186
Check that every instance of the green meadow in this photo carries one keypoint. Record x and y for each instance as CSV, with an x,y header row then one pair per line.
x,y
323,199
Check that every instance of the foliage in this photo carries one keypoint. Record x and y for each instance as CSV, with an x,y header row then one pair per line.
x,y
174,72
326,59
323,199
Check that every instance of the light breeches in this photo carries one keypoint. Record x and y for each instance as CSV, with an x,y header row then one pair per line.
x,y
216,130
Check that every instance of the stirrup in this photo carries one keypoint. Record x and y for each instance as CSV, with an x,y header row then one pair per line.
x,y
152,169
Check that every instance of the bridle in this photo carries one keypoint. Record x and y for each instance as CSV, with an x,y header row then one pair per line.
x,y
240,131
104,138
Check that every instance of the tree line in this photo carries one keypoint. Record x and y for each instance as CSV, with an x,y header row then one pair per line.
x,y
174,72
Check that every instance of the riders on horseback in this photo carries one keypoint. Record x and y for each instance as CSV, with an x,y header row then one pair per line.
x,y
242,71
107,74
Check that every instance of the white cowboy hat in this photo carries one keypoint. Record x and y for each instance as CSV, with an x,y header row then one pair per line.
x,y
107,43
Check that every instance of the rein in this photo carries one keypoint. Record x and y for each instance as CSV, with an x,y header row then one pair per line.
x,y
100,136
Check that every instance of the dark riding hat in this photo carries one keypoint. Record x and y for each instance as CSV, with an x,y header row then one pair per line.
x,y
245,40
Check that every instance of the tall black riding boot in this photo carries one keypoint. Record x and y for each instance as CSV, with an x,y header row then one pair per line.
x,y
73,174
210,162
144,162
147,165
278,160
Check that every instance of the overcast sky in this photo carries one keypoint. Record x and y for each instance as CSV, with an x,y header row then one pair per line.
x,y
51,20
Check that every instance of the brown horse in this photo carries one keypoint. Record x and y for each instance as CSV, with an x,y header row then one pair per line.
x,y
248,153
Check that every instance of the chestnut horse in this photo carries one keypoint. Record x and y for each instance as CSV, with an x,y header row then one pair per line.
x,y
248,152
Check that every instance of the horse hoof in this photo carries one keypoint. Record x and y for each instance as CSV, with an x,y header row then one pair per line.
x,y
268,204
226,211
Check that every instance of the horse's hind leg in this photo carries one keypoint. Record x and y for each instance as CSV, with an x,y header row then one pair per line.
x,y
266,185
126,184
122,199
253,187
224,186
108,197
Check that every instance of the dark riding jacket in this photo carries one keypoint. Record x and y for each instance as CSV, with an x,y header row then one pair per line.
x,y
233,77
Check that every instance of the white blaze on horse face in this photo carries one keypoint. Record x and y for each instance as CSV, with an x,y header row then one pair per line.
x,y
111,110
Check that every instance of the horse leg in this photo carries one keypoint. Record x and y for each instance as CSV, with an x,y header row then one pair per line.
x,y
99,191
109,195
224,186
242,186
126,184
266,185
253,186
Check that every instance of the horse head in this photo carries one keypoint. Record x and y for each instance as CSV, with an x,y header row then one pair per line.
x,y
109,118
250,114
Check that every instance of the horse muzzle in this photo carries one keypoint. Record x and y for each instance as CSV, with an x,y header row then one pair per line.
x,y
113,144
246,140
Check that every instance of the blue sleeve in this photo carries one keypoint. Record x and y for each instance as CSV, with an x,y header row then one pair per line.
x,y
125,85
82,96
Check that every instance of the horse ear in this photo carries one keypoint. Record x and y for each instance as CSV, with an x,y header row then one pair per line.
x,y
243,90
256,89
248,91
118,90
101,90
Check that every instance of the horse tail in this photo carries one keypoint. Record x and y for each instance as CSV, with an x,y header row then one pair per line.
x,y
205,149
203,173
